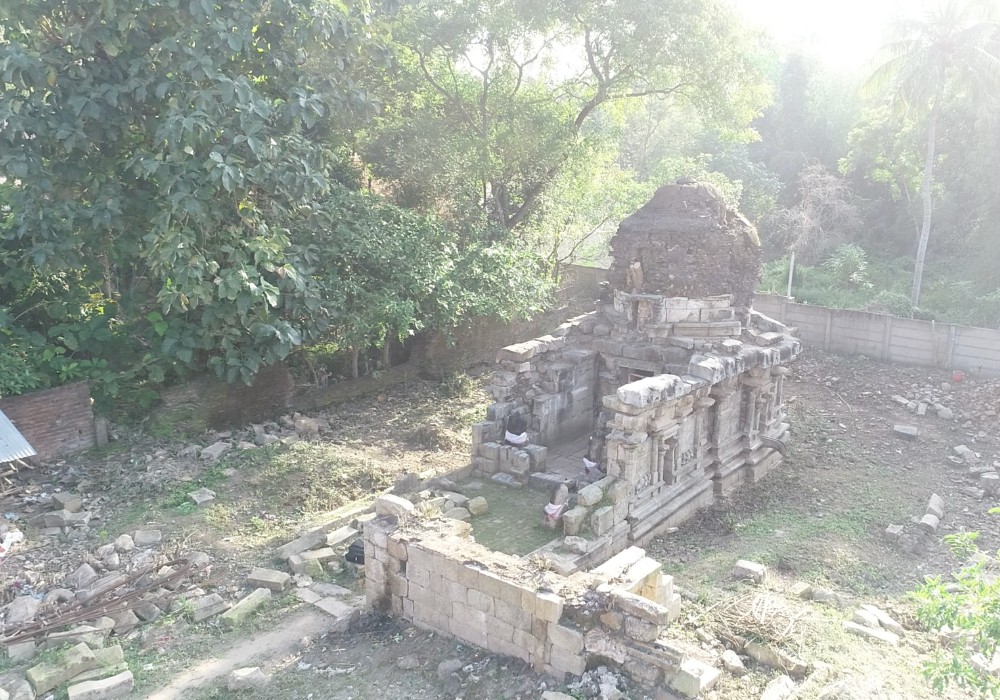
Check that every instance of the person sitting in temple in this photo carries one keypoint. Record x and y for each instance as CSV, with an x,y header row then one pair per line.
x,y
516,432
554,509
591,462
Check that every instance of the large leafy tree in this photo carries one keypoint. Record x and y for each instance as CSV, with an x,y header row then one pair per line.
x,y
171,148
496,99
953,49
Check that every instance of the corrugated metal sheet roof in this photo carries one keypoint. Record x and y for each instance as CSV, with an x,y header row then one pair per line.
x,y
12,443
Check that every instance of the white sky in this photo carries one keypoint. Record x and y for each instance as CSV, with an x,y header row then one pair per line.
x,y
844,34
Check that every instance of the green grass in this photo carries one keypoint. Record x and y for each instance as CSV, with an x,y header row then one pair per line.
x,y
513,522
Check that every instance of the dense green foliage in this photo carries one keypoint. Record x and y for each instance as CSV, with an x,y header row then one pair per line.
x,y
189,185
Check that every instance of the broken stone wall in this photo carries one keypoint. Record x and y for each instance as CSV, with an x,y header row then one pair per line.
x,y
433,574
553,382
56,421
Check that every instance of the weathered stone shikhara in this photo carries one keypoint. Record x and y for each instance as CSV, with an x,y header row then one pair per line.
x,y
674,388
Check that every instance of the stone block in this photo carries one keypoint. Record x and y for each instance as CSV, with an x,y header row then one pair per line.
x,y
694,678
396,506
989,482
456,514
117,686
590,495
213,452
602,520
929,523
68,501
246,607
548,607
641,608
567,662
907,432
490,450
246,679
22,610
750,570
885,620
777,659
209,606
147,538
202,497
276,581
22,651
641,630
477,505
573,520
778,688
876,633
893,532
865,618
307,567
801,590
50,675
537,456
565,638
935,506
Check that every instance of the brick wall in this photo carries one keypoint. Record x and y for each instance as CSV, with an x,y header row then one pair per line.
x,y
55,421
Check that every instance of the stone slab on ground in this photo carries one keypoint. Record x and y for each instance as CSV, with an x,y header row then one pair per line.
x,y
935,506
694,678
210,605
147,538
343,613
876,633
907,432
68,501
51,674
778,689
245,607
776,658
276,581
750,570
885,620
118,686
202,497
246,678
396,506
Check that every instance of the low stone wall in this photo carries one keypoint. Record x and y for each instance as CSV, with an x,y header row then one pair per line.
x,y
56,421
434,574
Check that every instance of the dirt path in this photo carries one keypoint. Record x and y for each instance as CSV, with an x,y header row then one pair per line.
x,y
265,648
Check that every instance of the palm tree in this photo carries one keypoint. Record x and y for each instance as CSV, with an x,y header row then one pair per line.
x,y
953,49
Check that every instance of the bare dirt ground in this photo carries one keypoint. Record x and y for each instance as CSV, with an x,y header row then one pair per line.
x,y
819,518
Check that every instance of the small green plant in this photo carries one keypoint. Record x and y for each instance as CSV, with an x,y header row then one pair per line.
x,y
962,544
849,265
967,613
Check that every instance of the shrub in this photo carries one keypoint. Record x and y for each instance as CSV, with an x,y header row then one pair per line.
x,y
892,303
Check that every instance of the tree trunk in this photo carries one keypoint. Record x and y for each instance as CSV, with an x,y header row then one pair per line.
x,y
354,363
386,354
925,193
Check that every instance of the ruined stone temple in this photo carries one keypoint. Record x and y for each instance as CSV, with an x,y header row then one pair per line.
x,y
673,385
672,388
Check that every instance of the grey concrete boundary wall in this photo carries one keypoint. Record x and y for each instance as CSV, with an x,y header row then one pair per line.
x,y
889,338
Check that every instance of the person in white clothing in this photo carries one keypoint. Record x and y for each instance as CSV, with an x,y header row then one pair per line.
x,y
516,432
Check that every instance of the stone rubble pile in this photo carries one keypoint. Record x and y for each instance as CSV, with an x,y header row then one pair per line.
x,y
125,583
928,400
